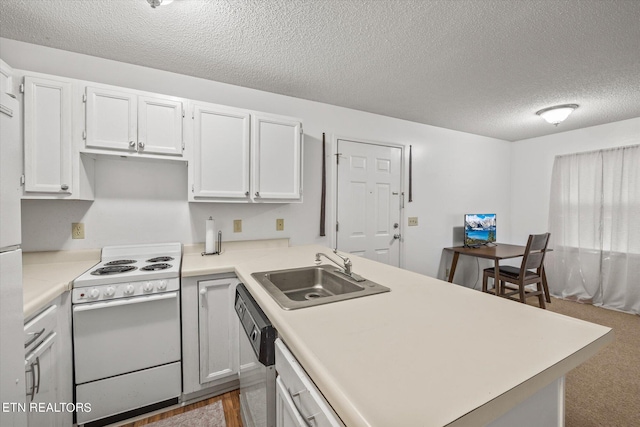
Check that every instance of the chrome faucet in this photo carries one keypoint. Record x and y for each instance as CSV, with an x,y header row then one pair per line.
x,y
346,268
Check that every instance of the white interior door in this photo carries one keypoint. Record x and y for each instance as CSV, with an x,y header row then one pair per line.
x,y
369,200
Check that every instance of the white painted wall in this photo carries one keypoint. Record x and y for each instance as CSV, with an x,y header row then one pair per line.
x,y
532,164
454,173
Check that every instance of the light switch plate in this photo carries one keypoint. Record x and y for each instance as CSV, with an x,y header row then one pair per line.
x,y
413,221
237,226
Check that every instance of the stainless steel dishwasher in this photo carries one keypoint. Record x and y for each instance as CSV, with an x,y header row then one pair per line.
x,y
257,362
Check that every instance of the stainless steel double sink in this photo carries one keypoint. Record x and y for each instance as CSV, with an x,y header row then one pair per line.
x,y
308,286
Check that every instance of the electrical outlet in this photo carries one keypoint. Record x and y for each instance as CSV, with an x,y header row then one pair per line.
x,y
279,224
413,221
237,226
77,230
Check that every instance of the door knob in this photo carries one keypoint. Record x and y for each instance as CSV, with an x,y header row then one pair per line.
x,y
396,236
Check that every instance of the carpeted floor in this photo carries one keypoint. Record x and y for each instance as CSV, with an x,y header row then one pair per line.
x,y
605,390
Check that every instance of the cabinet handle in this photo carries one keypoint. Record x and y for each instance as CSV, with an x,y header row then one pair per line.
x,y
37,386
64,187
257,194
36,335
306,418
132,144
141,145
246,193
33,382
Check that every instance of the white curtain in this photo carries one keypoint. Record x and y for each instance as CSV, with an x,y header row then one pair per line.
x,y
594,221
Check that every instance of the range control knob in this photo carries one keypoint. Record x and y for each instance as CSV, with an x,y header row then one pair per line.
x,y
94,293
129,290
162,285
148,287
110,291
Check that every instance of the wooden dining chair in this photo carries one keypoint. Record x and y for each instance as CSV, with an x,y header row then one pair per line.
x,y
529,273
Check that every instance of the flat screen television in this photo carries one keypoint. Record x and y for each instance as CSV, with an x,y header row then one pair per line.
x,y
479,229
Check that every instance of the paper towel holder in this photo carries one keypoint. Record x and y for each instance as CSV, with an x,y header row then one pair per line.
x,y
218,250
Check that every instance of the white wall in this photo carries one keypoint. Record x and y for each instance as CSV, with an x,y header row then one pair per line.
x,y
454,173
532,164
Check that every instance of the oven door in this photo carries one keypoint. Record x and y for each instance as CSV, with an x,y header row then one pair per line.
x,y
125,335
257,387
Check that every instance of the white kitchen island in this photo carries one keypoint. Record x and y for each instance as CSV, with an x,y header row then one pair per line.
x,y
428,353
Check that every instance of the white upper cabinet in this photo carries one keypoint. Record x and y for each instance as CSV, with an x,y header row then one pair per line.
x,y
159,125
277,157
111,119
244,156
220,166
48,135
6,79
128,121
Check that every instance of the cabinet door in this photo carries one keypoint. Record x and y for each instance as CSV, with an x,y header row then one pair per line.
x,y
159,126
277,159
47,135
42,380
6,78
221,152
218,329
111,119
287,415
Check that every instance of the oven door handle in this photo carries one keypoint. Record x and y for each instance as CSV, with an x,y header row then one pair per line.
x,y
121,302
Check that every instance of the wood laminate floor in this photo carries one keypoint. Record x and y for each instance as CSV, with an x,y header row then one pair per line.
x,y
230,403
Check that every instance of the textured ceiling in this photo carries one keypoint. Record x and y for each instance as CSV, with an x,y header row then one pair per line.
x,y
476,66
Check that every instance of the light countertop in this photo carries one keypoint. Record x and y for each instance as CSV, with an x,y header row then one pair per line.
x,y
46,275
427,353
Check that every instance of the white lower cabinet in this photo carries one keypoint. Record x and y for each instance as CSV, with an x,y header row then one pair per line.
x,y
209,334
48,373
298,401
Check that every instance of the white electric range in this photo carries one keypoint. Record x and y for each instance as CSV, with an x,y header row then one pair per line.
x,y
126,332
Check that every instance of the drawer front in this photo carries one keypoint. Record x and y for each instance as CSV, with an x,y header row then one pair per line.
x,y
36,329
123,393
306,398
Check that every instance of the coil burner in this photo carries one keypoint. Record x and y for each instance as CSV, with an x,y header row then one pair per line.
x,y
114,269
121,262
156,267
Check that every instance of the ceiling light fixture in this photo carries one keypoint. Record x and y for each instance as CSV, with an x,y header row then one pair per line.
x,y
157,3
557,114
